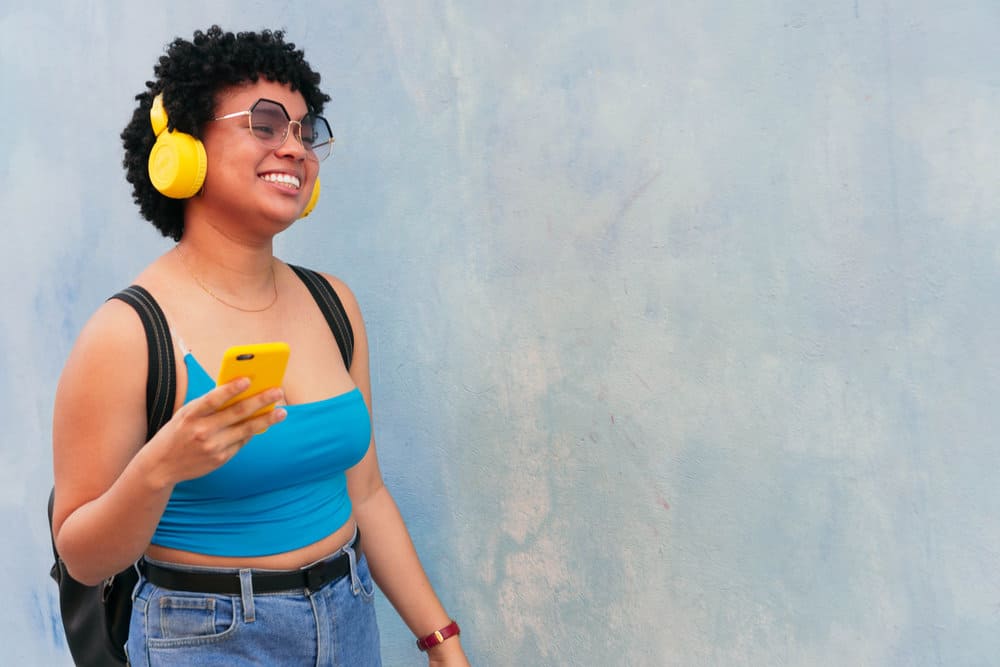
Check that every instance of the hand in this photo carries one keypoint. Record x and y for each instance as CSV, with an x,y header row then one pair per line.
x,y
201,437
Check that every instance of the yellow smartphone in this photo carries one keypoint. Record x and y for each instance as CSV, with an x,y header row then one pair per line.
x,y
263,363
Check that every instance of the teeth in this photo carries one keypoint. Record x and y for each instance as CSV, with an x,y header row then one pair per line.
x,y
286,179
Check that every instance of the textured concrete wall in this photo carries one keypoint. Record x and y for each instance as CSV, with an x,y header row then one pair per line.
x,y
684,315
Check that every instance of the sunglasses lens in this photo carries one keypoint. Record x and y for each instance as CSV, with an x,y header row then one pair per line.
x,y
269,123
319,140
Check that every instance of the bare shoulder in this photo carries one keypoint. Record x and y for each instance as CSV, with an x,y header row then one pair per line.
x,y
346,297
106,369
115,332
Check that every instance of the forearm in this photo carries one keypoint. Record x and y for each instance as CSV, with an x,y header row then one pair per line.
x,y
396,569
109,533
395,565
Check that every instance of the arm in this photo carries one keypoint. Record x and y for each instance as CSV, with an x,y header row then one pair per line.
x,y
110,489
391,555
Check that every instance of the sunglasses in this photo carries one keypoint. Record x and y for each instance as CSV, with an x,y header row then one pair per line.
x,y
269,124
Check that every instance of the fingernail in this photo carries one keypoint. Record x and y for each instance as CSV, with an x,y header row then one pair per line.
x,y
280,413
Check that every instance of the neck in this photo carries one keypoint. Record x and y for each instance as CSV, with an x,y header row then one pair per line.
x,y
228,262
233,272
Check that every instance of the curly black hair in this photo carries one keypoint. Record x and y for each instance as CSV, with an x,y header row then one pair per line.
x,y
190,75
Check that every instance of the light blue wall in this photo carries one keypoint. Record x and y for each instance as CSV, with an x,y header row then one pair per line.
x,y
684,315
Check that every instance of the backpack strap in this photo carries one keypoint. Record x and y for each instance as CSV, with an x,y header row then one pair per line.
x,y
333,310
161,377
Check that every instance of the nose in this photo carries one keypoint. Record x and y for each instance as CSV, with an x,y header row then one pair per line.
x,y
293,146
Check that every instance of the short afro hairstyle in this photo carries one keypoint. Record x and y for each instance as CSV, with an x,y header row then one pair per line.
x,y
190,75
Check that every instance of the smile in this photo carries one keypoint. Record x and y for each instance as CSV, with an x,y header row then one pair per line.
x,y
282,179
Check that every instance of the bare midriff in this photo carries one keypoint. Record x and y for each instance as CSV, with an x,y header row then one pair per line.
x,y
289,560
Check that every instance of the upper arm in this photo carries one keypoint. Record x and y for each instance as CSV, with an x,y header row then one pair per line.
x,y
359,369
364,478
99,416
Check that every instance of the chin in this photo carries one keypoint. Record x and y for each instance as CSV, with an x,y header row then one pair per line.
x,y
284,223
284,216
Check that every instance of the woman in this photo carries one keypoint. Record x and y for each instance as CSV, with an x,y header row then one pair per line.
x,y
303,492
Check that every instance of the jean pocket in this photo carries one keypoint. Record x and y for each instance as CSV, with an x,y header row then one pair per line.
x,y
199,618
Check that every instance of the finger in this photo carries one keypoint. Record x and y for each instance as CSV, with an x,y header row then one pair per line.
x,y
247,407
267,420
239,433
216,398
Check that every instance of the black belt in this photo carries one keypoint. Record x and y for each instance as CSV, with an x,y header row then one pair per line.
x,y
264,581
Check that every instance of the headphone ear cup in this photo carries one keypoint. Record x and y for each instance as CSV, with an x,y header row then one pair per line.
x,y
177,165
178,162
313,198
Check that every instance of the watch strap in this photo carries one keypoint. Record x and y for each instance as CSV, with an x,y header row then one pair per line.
x,y
438,636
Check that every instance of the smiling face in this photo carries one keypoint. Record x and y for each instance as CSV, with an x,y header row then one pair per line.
x,y
247,181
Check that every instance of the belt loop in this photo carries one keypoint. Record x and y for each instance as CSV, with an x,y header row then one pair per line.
x,y
246,596
139,581
352,558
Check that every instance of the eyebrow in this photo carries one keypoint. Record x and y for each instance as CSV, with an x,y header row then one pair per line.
x,y
247,112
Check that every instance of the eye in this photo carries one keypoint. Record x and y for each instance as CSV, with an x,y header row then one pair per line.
x,y
264,130
268,122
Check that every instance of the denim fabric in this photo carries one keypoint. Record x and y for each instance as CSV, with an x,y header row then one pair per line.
x,y
330,627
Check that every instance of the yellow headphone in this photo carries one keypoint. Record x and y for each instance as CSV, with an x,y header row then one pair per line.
x,y
313,198
178,162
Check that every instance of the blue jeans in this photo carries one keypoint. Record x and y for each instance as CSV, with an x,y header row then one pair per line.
x,y
329,627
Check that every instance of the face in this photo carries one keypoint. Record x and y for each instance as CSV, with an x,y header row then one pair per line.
x,y
248,180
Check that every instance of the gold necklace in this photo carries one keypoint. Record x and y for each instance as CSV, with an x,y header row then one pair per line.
x,y
208,290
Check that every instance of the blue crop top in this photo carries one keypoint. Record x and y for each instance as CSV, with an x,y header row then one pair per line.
x,y
283,490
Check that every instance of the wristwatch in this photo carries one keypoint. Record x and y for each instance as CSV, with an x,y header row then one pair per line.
x,y
438,636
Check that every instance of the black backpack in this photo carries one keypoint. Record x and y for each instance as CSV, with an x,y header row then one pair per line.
x,y
96,618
